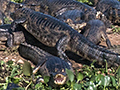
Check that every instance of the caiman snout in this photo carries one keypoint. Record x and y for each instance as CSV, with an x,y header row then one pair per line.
x,y
59,79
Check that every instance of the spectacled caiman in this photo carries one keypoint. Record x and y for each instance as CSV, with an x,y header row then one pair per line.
x,y
55,33
57,7
47,64
75,16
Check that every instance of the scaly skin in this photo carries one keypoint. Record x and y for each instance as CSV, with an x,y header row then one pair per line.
x,y
54,33
111,9
49,65
94,31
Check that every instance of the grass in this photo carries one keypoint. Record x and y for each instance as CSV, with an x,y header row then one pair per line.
x,y
88,78
116,29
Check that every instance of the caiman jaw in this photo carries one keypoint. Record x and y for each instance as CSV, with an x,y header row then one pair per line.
x,y
59,79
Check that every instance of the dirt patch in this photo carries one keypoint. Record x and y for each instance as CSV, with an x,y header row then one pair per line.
x,y
114,38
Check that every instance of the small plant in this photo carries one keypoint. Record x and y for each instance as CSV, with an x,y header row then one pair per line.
x,y
91,78
7,21
115,29
85,1
18,1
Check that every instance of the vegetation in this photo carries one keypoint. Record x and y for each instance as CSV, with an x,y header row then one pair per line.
x,y
88,78
17,1
116,29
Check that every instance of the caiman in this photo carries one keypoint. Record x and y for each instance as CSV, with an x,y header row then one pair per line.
x,y
55,33
47,64
95,31
110,8
72,12
75,14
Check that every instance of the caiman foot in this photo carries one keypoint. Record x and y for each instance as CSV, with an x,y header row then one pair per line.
x,y
63,56
61,46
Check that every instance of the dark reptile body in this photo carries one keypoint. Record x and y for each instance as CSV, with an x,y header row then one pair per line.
x,y
54,33
95,31
73,17
110,8
75,14
58,6
50,65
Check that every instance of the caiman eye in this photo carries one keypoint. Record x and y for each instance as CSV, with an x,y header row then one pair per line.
x,y
20,15
21,5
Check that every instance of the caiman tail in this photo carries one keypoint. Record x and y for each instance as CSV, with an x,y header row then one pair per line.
x,y
88,50
35,55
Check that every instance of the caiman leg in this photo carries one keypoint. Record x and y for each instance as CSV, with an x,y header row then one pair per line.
x,y
61,47
105,38
14,23
85,33
10,40
1,18
9,36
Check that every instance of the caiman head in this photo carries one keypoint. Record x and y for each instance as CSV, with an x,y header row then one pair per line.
x,y
56,69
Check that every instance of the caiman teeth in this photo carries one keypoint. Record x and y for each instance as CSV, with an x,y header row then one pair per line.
x,y
59,79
